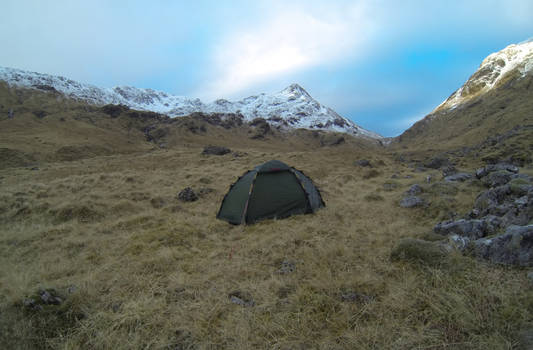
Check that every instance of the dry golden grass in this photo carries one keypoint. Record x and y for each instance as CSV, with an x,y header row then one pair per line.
x,y
152,272
139,269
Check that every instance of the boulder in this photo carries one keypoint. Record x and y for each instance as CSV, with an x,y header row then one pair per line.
x,y
215,150
241,298
497,178
363,163
187,195
459,242
461,177
515,247
486,170
412,202
448,170
414,190
487,200
473,229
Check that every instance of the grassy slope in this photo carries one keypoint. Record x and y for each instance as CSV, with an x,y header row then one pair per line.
x,y
153,272
494,113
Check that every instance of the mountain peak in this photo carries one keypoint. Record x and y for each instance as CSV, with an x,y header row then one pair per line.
x,y
515,60
295,90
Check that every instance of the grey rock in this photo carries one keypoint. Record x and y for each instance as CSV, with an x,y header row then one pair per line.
x,y
412,202
31,304
448,170
525,177
481,172
414,190
241,298
363,163
459,242
473,214
486,170
522,201
508,167
10,114
501,210
515,247
493,223
286,267
497,178
516,216
187,195
215,150
486,201
473,229
458,177
49,297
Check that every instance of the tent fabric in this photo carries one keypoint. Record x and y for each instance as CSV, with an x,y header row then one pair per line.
x,y
272,190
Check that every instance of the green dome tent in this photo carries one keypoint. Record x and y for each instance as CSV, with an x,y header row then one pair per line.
x,y
272,190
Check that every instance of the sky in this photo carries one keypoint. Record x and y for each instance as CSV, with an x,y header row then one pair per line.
x,y
382,64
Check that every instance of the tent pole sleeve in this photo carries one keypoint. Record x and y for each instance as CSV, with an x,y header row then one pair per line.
x,y
245,211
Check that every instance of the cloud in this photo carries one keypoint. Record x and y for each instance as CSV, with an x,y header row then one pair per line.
x,y
287,41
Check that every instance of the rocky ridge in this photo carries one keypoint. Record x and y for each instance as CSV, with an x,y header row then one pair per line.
x,y
514,61
292,107
499,228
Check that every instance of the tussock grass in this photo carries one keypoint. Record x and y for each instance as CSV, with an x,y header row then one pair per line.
x,y
140,269
161,276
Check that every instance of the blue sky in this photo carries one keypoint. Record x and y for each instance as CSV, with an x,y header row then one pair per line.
x,y
382,64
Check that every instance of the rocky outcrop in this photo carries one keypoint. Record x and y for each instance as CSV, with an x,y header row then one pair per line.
x,y
498,228
515,247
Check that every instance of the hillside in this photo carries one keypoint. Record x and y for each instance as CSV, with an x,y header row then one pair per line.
x,y
489,116
46,126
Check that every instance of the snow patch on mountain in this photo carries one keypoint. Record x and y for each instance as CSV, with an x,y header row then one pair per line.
x,y
514,59
292,107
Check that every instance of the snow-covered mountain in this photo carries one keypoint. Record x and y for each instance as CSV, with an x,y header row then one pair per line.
x,y
515,61
292,107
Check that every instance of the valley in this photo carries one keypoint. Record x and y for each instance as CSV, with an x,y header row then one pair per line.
x,y
99,250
